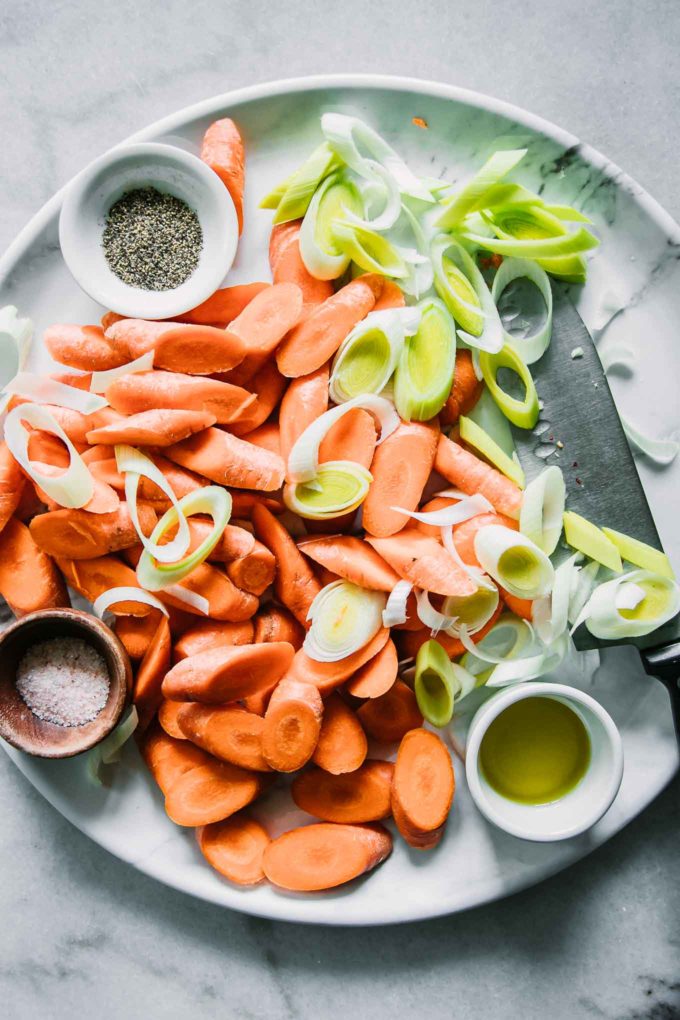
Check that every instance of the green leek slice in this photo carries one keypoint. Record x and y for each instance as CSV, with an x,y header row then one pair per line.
x,y
435,684
472,611
487,414
424,374
319,249
369,354
476,437
591,540
463,289
641,554
339,487
632,605
472,194
372,252
523,413
295,193
532,347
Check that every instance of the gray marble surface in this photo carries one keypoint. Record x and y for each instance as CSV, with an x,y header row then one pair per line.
x,y
83,934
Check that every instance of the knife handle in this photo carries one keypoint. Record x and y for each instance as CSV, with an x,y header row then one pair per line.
x,y
664,664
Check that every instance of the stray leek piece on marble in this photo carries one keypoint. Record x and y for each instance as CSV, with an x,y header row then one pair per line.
x,y
523,413
319,249
425,370
587,538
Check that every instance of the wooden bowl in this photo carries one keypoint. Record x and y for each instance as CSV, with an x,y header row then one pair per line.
x,y
24,730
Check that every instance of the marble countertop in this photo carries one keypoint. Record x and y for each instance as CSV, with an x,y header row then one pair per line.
x,y
82,933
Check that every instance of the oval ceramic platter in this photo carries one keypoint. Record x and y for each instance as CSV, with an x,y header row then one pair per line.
x,y
632,297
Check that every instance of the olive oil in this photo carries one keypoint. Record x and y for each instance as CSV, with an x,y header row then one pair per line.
x,y
535,752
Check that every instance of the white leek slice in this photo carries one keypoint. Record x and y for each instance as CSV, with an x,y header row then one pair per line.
x,y
477,438
514,639
533,347
344,617
395,611
532,667
212,500
514,561
584,580
15,340
431,617
125,593
660,451
447,516
385,190
132,463
420,276
543,503
49,391
338,488
471,195
550,614
321,254
472,611
303,460
348,136
107,752
101,381
190,598
424,374
473,572
369,353
369,249
629,595
464,291
605,618
75,487
292,197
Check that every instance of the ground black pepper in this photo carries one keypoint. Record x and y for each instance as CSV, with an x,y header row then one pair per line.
x,y
152,240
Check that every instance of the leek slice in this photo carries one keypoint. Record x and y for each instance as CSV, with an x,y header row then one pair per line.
x,y
348,136
420,276
641,554
385,191
49,391
514,561
318,247
660,451
107,752
344,617
584,580
550,614
552,247
339,487
435,684
531,667
431,617
75,486
298,189
462,510
472,611
133,463
15,341
424,374
395,611
125,593
370,250
533,347
540,517
212,500
590,540
190,598
507,639
487,414
523,413
537,223
607,617
472,195
474,436
101,381
369,353
463,289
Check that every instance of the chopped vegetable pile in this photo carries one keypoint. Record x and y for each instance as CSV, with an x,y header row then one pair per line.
x,y
302,507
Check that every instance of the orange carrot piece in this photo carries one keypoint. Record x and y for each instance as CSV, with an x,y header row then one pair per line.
x,y
225,600
353,438
167,717
84,347
389,717
168,759
274,623
377,676
305,400
136,632
29,579
253,572
342,745
75,425
147,391
263,324
292,724
242,504
268,385
91,578
233,544
222,674
295,584
224,305
180,346
318,336
470,474
323,856
229,461
78,534
464,534
12,483
524,608
465,391
329,675
351,558
227,732
359,796
152,669
96,454
212,792
153,428
392,297
287,265
267,436
235,847
208,634
401,467
424,562
47,449
422,788
108,319
222,149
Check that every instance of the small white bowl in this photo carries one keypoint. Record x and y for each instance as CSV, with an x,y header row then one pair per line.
x,y
169,170
579,809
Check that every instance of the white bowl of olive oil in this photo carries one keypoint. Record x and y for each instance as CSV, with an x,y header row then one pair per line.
x,y
148,230
543,761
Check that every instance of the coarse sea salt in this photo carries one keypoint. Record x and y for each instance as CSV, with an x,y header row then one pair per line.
x,y
63,681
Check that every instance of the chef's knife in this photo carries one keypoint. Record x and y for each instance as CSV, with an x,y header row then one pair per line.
x,y
580,424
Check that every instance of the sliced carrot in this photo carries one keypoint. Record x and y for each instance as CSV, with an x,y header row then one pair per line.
x,y
323,856
523,608
235,847
342,745
377,676
153,428
389,717
329,675
253,572
318,336
147,391
470,474
352,438
229,461
222,674
465,391
179,346
227,732
359,796
401,467
234,542
12,483
47,449
136,632
292,724
75,425
181,482
268,385
152,669
266,436
78,534
29,579
263,324
295,584
287,265
212,792
352,558
222,149
274,623
208,634
108,319
168,759
83,347
304,401
464,534
96,454
422,788
424,562
104,499
392,297
242,504
167,717
91,578
225,600
224,305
